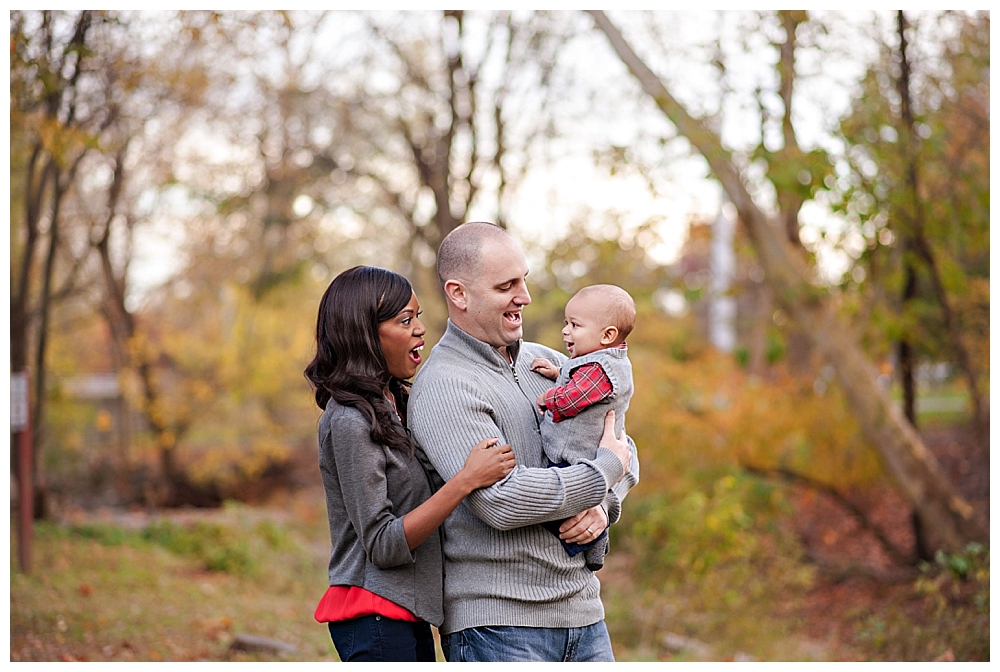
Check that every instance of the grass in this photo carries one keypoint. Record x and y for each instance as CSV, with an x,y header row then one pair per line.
x,y
711,576
169,591
939,405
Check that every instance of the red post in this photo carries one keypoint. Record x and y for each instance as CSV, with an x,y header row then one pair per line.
x,y
20,425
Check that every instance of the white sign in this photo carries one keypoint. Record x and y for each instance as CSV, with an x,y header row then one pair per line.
x,y
18,401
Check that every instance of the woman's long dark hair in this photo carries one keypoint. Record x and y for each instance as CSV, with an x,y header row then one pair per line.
x,y
349,366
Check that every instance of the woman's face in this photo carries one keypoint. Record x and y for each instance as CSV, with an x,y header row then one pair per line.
x,y
401,340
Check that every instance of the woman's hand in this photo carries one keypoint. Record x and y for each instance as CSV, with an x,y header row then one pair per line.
x,y
487,463
618,445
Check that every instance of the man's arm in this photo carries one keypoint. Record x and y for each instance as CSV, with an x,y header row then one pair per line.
x,y
581,527
449,417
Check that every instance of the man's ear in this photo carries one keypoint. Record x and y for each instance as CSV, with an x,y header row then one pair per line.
x,y
456,294
609,335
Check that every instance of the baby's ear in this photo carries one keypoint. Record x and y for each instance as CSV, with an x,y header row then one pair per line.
x,y
609,336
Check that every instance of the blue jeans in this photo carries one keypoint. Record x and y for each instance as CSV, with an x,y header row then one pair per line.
x,y
381,639
509,644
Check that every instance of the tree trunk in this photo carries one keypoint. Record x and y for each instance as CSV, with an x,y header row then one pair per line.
x,y
760,323
798,352
904,348
947,517
132,349
48,178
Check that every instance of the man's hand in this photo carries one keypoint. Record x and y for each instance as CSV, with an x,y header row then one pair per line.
x,y
585,526
618,445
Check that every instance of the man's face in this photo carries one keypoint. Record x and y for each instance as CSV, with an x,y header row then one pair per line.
x,y
497,294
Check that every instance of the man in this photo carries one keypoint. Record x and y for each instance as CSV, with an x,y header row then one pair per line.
x,y
511,593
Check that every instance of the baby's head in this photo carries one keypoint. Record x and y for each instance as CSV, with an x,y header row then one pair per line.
x,y
598,317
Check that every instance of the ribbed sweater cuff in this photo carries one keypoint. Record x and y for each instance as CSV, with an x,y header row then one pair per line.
x,y
609,465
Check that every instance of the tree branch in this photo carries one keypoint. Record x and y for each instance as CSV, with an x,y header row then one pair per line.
x,y
840,572
853,509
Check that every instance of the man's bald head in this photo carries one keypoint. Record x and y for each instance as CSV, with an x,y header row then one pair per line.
x,y
459,255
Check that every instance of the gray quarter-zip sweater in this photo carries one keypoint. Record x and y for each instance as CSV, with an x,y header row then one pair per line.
x,y
501,566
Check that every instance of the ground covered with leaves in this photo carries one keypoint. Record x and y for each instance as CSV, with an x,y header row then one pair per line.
x,y
749,569
182,586
758,569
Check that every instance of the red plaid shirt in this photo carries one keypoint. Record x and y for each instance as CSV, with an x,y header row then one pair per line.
x,y
587,386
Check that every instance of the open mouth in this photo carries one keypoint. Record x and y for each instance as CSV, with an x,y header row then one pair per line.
x,y
415,353
513,318
569,346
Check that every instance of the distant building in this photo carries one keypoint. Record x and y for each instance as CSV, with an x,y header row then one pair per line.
x,y
113,421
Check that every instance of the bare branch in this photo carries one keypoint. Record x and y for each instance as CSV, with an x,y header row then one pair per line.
x,y
841,572
412,72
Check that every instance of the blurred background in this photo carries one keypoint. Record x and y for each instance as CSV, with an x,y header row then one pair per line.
x,y
798,202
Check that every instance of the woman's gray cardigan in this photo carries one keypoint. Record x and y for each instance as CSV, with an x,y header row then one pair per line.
x,y
368,490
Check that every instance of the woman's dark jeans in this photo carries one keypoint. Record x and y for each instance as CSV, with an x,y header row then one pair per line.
x,y
381,639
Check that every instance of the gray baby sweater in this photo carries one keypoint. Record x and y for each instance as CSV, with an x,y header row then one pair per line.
x,y
576,438
501,566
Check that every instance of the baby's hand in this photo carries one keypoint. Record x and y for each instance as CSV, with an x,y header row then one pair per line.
x,y
540,403
545,367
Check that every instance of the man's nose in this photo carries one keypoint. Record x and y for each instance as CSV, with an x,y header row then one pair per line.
x,y
523,298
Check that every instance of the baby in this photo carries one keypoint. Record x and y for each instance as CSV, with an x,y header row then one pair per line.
x,y
597,378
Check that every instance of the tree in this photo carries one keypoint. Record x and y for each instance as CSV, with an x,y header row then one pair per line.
x,y
919,193
154,87
284,172
113,101
948,518
295,159
58,117
398,132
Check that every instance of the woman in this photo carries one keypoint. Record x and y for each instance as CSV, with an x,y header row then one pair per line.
x,y
385,565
